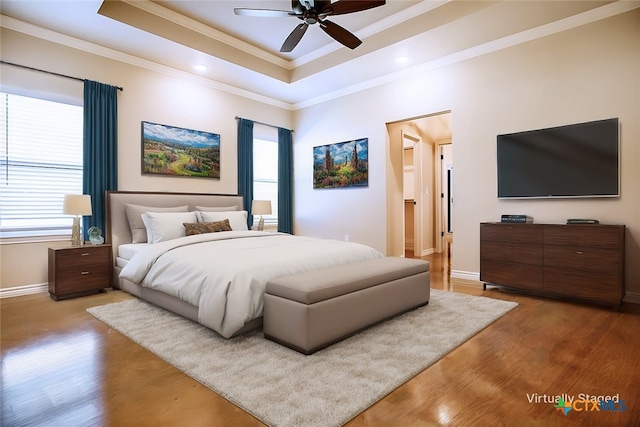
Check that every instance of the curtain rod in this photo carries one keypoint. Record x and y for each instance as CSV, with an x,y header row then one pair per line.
x,y
50,72
266,124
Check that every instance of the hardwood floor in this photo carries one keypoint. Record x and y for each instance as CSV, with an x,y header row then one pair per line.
x,y
62,367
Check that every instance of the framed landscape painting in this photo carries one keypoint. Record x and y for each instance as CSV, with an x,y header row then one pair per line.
x,y
170,150
344,164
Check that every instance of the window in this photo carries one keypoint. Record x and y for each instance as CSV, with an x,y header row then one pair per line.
x,y
40,161
265,177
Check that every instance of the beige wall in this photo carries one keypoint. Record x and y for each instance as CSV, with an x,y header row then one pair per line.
x,y
150,94
587,73
583,74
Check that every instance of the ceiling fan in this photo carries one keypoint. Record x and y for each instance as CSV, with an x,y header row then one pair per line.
x,y
315,12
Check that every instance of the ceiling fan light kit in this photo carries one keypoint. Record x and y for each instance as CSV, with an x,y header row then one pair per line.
x,y
315,12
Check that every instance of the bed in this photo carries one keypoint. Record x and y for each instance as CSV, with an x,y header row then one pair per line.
x,y
215,278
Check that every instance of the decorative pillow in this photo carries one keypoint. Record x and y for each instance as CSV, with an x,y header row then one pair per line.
x,y
237,219
134,216
167,225
206,227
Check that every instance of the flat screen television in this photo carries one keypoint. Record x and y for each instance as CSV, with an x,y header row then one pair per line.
x,y
578,160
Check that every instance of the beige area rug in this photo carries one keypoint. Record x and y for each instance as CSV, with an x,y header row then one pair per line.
x,y
284,388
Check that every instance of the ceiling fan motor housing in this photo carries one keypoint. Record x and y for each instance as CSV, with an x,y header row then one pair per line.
x,y
311,17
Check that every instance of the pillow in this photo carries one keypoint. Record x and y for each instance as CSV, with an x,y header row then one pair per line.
x,y
216,208
167,225
206,227
134,216
237,219
213,209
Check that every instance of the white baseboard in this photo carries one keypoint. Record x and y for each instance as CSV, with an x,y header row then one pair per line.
x,y
466,275
18,291
426,252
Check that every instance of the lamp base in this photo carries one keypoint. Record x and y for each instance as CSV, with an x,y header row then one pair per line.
x,y
261,224
76,239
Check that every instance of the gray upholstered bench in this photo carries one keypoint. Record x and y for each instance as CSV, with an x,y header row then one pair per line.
x,y
312,310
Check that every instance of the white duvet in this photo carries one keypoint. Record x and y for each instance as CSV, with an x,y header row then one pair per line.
x,y
225,274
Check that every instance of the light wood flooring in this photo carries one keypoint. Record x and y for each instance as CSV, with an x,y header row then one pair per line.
x,y
62,367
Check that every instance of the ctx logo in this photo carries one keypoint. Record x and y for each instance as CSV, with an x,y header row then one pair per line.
x,y
577,405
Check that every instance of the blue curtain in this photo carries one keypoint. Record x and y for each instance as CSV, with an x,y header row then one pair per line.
x,y
245,165
100,170
285,193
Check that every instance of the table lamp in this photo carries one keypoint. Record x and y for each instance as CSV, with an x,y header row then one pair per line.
x,y
78,205
261,207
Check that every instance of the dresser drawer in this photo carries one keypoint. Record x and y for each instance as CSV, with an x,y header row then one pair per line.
x,y
513,233
596,236
583,258
513,253
524,276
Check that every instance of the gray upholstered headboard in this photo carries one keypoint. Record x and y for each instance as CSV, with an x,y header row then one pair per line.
x,y
117,228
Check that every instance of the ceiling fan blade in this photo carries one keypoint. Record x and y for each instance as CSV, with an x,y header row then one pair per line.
x,y
263,13
340,34
342,7
294,38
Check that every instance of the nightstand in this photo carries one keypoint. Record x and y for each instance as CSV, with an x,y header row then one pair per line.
x,y
79,270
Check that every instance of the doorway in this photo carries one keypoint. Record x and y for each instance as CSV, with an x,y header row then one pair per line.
x,y
415,202
433,131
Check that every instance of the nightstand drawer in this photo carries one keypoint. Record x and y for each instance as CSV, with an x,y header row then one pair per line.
x,y
80,279
89,256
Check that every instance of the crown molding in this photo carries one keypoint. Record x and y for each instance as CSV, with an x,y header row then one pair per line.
x,y
590,16
593,15
207,31
82,45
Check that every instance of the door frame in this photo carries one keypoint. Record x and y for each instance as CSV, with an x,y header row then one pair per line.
x,y
415,141
441,231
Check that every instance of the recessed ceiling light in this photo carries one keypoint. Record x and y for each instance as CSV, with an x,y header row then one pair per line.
x,y
200,67
402,59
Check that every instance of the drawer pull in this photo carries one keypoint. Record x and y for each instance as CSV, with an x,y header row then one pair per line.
x,y
85,254
84,273
579,252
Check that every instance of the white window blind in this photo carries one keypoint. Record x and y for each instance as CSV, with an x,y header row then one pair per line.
x,y
40,161
265,177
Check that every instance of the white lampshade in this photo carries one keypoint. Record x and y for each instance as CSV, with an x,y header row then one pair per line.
x,y
77,204
261,207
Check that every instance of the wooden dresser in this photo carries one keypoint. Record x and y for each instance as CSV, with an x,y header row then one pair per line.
x,y
577,261
79,271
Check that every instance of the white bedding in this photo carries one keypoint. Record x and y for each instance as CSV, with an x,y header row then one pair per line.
x,y
225,274
127,251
